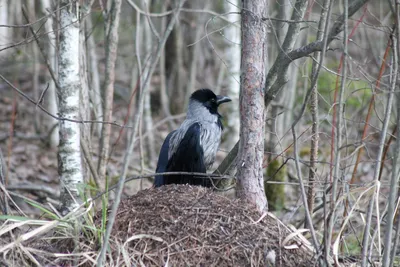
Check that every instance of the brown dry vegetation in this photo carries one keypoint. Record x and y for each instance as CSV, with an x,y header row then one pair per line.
x,y
179,225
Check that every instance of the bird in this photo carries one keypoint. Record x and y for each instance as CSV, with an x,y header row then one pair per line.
x,y
193,146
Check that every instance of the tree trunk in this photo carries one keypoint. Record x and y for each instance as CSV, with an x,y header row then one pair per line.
x,y
232,52
147,118
251,144
69,156
5,32
94,78
165,104
51,97
84,105
38,117
113,15
314,109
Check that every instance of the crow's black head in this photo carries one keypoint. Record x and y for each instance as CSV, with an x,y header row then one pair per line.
x,y
209,99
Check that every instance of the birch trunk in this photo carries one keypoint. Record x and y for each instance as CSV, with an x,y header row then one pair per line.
x,y
69,155
251,143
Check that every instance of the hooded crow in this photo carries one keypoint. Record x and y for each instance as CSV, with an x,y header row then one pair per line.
x,y
193,146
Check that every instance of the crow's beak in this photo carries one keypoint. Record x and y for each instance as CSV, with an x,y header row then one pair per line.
x,y
222,99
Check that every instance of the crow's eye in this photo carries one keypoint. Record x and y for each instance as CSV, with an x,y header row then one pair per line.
x,y
213,100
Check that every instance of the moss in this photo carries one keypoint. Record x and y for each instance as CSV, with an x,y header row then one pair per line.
x,y
275,193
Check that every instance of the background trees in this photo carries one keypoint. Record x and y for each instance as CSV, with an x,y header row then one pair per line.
x,y
319,77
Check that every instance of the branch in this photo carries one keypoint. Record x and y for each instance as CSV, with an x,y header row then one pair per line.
x,y
288,20
199,175
111,47
335,30
42,50
37,104
379,156
277,77
4,206
322,27
316,70
279,69
229,161
35,189
395,167
338,136
90,162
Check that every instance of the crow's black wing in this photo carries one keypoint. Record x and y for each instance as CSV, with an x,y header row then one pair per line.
x,y
162,162
188,157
